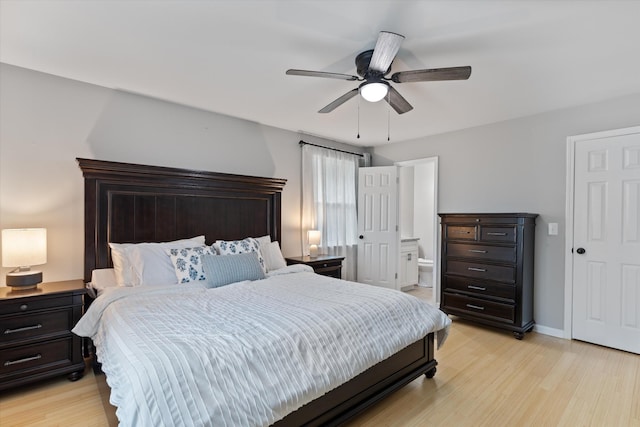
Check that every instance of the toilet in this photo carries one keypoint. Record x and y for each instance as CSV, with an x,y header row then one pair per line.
x,y
425,272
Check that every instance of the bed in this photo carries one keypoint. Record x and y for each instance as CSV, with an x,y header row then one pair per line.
x,y
131,204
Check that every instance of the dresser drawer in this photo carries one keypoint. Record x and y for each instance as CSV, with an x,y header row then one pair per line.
x,y
479,307
498,234
461,232
494,253
28,358
480,288
482,271
27,305
20,327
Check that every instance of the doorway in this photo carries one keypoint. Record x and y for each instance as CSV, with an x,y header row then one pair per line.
x,y
418,218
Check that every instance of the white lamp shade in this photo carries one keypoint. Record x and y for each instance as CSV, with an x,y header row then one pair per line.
x,y
374,92
24,247
314,237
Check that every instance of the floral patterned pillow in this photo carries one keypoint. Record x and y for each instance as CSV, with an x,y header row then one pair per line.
x,y
187,263
235,247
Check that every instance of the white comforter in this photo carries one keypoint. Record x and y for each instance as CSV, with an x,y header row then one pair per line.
x,y
248,353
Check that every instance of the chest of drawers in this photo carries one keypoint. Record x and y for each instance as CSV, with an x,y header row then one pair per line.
x,y
35,333
487,269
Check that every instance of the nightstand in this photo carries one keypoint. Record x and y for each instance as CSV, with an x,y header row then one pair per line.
x,y
322,264
35,333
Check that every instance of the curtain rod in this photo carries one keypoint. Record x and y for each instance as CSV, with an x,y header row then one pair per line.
x,y
330,148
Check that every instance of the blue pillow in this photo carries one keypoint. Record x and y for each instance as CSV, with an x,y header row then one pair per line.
x,y
222,270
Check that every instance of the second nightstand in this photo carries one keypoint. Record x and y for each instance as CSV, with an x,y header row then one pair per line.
x,y
35,333
322,264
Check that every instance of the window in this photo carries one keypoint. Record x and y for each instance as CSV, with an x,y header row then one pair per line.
x,y
329,196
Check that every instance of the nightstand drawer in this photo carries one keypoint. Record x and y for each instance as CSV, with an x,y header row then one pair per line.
x,y
19,327
329,270
27,305
28,358
323,264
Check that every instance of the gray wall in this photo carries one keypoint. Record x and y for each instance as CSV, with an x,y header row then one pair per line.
x,y
517,166
47,121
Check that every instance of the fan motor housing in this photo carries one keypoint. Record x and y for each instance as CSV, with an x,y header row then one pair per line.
x,y
362,64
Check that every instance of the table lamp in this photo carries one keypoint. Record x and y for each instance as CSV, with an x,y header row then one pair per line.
x,y
23,248
314,241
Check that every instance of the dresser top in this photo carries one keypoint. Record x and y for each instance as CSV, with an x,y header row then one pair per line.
x,y
494,215
319,258
48,288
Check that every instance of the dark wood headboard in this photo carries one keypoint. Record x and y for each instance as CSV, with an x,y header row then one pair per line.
x,y
129,203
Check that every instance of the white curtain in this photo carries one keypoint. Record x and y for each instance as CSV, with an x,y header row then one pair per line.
x,y
329,196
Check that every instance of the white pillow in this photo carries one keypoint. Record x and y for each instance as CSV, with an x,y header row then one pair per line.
x,y
235,247
263,241
147,263
103,278
121,267
272,255
187,262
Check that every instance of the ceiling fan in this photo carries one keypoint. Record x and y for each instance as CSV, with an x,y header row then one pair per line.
x,y
373,66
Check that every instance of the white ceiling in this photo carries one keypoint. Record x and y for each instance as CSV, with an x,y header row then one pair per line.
x,y
230,57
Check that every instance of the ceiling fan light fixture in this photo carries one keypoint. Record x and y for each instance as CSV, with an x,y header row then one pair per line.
x,y
374,91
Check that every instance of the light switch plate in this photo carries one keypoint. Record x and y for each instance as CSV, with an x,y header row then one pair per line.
x,y
553,229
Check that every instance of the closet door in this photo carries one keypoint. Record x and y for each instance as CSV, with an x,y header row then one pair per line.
x,y
606,241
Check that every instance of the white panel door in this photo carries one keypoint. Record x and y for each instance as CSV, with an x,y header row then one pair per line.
x,y
606,256
378,244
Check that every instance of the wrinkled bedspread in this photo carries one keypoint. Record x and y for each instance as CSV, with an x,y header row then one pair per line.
x,y
248,353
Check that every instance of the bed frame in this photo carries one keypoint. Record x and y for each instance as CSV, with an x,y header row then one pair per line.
x,y
130,203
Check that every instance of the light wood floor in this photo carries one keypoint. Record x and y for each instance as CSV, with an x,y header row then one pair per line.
x,y
485,378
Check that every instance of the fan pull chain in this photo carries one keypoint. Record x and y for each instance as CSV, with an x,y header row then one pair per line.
x,y
359,113
388,117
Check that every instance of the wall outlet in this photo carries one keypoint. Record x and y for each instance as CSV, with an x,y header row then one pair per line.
x,y
553,229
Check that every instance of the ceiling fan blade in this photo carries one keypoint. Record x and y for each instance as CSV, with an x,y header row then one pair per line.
x,y
397,101
293,72
338,102
386,49
434,74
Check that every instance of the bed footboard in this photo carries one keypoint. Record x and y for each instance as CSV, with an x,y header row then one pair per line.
x,y
382,379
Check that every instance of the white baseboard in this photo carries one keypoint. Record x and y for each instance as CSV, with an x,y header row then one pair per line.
x,y
545,330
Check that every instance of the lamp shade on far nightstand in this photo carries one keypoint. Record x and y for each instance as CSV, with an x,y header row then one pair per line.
x,y
314,240
23,248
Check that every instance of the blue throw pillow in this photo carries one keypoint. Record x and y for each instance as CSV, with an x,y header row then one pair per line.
x,y
222,270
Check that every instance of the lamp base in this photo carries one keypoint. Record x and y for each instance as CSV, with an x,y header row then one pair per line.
x,y
28,279
313,251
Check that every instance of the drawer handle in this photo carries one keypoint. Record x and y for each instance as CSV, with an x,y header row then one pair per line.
x,y
491,233
462,232
477,307
24,360
477,269
23,307
477,251
25,328
477,288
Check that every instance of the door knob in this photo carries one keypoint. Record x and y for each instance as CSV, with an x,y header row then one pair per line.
x,y
361,237
580,251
